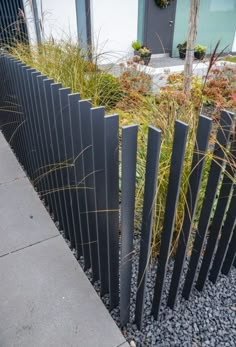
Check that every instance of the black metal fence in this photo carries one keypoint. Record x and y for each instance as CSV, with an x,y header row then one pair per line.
x,y
71,153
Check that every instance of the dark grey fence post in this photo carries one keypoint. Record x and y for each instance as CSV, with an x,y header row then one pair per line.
x,y
85,175
43,145
48,144
201,144
98,151
173,190
66,158
112,204
152,165
129,154
224,239
48,86
73,124
210,194
58,191
28,106
86,194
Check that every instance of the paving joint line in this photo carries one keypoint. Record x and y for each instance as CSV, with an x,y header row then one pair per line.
x,y
32,244
15,179
121,344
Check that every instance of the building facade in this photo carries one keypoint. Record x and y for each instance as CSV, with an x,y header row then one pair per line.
x,y
110,26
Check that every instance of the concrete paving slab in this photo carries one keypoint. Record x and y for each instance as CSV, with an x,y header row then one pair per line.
x,y
10,169
3,142
24,219
46,300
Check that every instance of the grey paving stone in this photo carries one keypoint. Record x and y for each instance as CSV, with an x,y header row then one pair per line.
x,y
3,142
10,169
46,300
24,220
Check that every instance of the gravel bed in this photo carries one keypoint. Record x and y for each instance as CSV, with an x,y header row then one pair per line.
x,y
207,319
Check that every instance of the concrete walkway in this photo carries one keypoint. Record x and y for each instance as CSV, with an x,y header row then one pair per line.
x,y
45,298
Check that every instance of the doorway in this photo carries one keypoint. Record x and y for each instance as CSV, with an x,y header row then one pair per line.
x,y
158,27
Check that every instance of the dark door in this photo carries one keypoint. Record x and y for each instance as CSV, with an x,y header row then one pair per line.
x,y
159,26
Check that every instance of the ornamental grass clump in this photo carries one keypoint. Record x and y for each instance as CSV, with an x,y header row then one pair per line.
x,y
66,62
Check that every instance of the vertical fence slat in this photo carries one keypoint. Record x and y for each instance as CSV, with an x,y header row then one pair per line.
x,y
55,87
38,126
29,97
8,113
29,160
112,203
65,157
230,255
74,137
210,194
25,141
85,169
226,234
88,170
202,138
217,222
98,150
48,144
16,119
42,113
77,177
81,130
48,86
31,163
35,116
42,180
152,165
173,190
21,142
128,159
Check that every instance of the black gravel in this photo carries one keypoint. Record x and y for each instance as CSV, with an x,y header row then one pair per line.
x,y
206,319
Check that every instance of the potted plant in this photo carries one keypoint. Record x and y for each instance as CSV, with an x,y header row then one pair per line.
x,y
182,47
142,51
200,52
163,3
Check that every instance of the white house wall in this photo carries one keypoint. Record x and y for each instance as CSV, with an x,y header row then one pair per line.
x,y
114,27
58,18
30,21
114,23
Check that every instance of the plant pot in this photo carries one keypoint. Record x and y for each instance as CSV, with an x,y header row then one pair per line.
x,y
146,59
199,55
182,54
